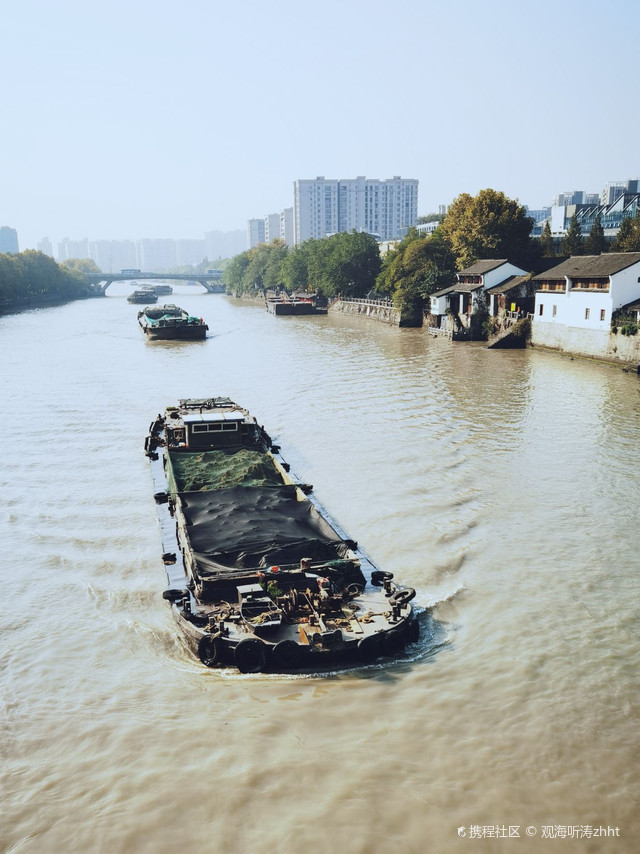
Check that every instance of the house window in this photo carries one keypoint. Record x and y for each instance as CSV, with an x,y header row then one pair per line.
x,y
602,314
541,310
587,311
555,310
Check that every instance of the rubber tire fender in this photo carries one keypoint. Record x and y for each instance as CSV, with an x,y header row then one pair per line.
x,y
173,595
286,655
392,641
210,650
412,632
369,648
250,655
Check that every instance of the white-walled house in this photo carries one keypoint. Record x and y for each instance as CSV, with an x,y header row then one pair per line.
x,y
575,302
468,295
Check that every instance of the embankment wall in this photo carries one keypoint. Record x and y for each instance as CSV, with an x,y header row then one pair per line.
x,y
374,309
592,343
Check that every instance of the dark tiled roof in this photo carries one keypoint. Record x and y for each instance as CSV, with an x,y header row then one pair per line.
x,y
482,267
591,265
511,282
632,306
467,287
541,265
443,291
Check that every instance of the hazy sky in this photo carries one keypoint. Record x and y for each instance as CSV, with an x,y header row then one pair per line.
x,y
154,119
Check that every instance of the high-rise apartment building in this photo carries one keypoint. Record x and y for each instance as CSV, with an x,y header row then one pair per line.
x,y
111,256
287,232
190,252
156,255
8,240
255,232
225,244
45,246
385,208
271,227
73,249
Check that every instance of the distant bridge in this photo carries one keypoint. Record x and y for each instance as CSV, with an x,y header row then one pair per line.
x,y
211,282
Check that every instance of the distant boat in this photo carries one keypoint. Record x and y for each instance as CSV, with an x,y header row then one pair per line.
x,y
160,290
171,323
146,296
302,304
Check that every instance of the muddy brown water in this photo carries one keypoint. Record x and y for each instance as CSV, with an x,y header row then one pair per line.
x,y
503,486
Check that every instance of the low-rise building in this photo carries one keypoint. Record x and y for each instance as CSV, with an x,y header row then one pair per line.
x,y
473,293
576,301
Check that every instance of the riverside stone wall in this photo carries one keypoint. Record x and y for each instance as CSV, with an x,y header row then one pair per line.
x,y
375,309
595,344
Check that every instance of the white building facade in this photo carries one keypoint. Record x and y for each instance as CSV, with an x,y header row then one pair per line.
x,y
271,227
286,227
575,301
255,232
465,297
384,208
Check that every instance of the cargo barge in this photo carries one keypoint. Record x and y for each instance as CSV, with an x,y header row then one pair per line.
x,y
286,305
146,295
260,577
171,323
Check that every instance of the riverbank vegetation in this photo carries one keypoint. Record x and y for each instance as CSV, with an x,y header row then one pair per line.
x,y
32,277
345,263
488,225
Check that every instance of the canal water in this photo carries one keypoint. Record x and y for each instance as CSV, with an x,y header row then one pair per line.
x,y
503,486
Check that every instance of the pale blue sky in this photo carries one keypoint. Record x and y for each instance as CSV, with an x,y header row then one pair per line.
x,y
155,119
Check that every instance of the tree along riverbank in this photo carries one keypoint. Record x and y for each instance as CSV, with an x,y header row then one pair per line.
x,y
32,278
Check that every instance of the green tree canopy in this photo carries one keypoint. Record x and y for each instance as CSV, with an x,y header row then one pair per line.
x,y
418,267
573,242
547,248
295,268
345,263
488,225
272,275
81,265
348,264
234,273
628,236
595,244
32,275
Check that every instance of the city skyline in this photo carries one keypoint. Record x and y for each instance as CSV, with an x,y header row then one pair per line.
x,y
149,122
220,244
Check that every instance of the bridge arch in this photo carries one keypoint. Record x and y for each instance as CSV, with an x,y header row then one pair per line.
x,y
211,282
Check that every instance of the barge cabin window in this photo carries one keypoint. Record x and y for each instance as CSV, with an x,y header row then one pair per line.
x,y
214,427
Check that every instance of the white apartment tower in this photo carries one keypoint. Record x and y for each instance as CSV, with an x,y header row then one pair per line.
x,y
286,226
271,227
255,232
385,208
